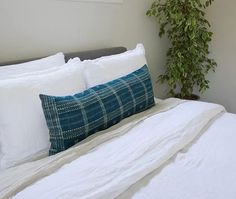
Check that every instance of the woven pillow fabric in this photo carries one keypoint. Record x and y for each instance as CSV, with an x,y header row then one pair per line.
x,y
71,119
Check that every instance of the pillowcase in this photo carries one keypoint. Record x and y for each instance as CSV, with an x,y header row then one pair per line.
x,y
23,130
108,68
45,71
71,119
12,71
38,73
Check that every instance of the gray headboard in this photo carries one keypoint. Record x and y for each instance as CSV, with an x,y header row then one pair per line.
x,y
90,54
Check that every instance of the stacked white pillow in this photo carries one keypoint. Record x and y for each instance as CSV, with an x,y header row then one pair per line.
x,y
23,131
108,68
13,71
24,134
30,68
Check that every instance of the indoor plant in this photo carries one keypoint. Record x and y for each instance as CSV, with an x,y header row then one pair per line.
x,y
188,62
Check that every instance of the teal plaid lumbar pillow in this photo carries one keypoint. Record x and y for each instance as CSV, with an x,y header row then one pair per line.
x,y
71,119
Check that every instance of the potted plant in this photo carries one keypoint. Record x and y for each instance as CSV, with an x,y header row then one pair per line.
x,y
188,62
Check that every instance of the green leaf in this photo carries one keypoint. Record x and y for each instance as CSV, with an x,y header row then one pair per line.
x,y
185,25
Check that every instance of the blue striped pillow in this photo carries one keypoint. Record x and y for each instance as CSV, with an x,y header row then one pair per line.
x,y
71,119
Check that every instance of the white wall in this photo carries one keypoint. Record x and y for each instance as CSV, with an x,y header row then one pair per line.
x,y
222,90
32,28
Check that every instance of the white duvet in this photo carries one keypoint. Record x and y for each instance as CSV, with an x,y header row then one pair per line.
x,y
115,160
204,170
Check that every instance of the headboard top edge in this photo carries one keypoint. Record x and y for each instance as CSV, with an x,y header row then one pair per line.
x,y
88,54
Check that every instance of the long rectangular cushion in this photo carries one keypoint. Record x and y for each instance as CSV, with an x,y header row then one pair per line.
x,y
71,119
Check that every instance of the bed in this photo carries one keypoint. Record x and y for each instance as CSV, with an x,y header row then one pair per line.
x,y
176,149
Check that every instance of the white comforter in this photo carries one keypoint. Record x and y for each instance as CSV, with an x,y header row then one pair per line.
x,y
109,164
204,170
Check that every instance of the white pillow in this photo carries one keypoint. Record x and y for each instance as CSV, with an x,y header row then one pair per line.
x,y
12,71
39,73
23,131
105,69
45,71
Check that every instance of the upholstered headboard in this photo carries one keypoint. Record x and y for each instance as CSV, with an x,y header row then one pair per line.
x,y
90,54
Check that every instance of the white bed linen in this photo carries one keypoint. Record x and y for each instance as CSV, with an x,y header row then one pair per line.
x,y
112,167
187,176
206,170
17,178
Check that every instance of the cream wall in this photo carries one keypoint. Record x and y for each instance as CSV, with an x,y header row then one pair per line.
x,y
222,90
32,28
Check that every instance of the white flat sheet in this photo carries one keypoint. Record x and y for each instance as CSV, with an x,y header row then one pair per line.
x,y
205,170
